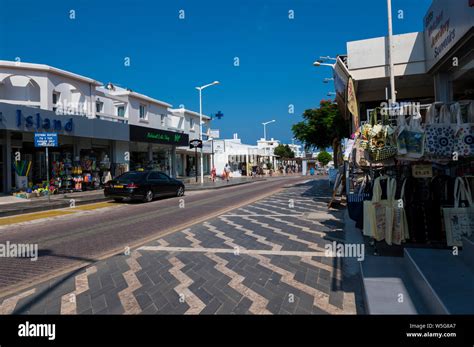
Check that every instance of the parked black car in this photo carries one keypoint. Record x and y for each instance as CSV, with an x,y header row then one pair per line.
x,y
143,185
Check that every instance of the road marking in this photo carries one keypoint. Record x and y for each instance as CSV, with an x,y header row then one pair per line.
x,y
232,250
97,206
262,215
29,217
33,216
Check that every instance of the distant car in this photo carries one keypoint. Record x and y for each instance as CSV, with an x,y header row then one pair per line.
x,y
143,185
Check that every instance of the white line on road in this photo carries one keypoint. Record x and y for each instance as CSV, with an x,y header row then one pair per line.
x,y
232,250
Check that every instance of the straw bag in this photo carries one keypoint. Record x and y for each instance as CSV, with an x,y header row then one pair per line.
x,y
379,138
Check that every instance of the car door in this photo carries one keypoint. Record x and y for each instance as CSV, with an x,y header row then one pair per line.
x,y
158,185
168,186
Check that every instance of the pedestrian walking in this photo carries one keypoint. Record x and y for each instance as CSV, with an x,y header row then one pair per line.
x,y
227,172
213,174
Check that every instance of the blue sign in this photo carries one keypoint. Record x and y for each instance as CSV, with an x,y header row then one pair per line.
x,y
46,140
37,122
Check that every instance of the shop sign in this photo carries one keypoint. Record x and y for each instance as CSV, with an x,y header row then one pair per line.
x,y
37,122
46,140
422,171
196,143
445,23
143,134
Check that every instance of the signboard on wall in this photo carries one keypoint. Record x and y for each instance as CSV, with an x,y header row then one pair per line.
x,y
46,140
444,25
144,134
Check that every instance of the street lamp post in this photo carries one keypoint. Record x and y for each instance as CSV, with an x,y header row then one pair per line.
x,y
265,128
200,122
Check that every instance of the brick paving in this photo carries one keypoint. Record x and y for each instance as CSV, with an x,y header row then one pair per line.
x,y
263,258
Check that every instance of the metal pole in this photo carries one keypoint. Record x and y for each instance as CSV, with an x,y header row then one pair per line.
x,y
393,97
264,132
212,144
195,159
47,175
200,134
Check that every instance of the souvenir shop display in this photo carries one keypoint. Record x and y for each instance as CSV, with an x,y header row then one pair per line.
x,y
411,178
459,221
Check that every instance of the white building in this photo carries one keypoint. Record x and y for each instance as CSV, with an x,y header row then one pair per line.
x,y
96,124
238,155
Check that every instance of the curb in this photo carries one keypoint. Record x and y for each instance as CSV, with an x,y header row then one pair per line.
x,y
52,206
198,187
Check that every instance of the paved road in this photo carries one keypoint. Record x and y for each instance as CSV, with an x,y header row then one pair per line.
x,y
265,257
71,238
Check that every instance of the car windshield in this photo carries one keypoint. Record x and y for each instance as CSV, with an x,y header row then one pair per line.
x,y
131,176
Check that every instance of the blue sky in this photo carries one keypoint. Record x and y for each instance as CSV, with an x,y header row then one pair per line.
x,y
170,56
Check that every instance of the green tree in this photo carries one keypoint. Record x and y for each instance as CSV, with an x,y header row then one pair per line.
x,y
321,127
324,158
284,151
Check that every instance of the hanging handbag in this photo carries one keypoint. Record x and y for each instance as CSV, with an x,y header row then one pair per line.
x,y
414,137
459,221
399,232
439,131
378,213
464,135
380,145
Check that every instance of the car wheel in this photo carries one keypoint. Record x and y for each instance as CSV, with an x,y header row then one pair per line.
x,y
148,196
180,191
118,199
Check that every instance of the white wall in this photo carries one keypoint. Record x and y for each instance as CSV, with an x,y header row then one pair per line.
x,y
368,59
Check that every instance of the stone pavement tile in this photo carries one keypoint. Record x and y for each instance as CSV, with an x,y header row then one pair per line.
x,y
159,300
274,304
177,240
302,310
203,295
288,305
212,306
94,282
231,293
117,279
337,299
317,310
172,297
102,291
311,278
300,276
243,306
53,308
305,300
143,299
226,308
114,305
98,304
151,309
86,312
83,302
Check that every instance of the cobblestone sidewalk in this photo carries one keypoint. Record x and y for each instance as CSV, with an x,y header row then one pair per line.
x,y
264,258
